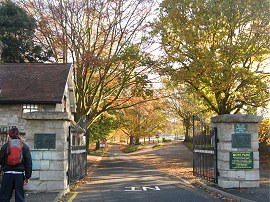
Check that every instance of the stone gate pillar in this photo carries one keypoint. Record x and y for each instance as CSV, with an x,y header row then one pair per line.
x,y
237,147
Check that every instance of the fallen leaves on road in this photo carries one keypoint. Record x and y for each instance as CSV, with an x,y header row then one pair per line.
x,y
173,166
168,167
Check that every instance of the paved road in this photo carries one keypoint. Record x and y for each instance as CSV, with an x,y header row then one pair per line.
x,y
121,179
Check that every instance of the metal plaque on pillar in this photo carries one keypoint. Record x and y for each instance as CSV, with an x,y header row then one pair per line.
x,y
241,139
240,128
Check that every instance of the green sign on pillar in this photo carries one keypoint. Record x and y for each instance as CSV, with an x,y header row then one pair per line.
x,y
241,160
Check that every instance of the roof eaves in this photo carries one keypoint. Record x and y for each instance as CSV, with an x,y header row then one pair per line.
x,y
28,102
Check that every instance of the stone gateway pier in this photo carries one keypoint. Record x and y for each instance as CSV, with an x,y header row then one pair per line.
x,y
237,150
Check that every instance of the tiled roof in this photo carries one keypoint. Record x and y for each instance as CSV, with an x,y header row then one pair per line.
x,y
32,82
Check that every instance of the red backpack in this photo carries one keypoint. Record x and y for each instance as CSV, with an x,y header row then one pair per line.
x,y
14,151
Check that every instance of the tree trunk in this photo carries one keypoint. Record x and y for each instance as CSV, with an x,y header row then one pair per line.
x,y
186,123
131,140
97,145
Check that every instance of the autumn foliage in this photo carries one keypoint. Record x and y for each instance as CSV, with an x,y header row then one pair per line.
x,y
264,131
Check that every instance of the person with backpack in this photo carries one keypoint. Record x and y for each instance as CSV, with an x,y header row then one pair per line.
x,y
16,164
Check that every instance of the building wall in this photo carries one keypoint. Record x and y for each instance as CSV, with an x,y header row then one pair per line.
x,y
11,115
68,101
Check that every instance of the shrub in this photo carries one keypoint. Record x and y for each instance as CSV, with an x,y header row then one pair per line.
x,y
164,140
132,148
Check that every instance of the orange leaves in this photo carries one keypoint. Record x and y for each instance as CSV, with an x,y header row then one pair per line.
x,y
264,131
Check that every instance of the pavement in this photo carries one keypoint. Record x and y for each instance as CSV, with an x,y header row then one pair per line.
x,y
261,194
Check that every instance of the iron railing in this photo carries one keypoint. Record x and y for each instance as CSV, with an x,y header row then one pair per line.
x,y
204,151
77,164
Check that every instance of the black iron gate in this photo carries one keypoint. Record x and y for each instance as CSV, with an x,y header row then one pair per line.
x,y
204,150
77,164
4,134
77,155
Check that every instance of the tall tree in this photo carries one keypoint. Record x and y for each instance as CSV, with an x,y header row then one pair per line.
x,y
102,127
103,39
218,49
142,120
17,30
184,105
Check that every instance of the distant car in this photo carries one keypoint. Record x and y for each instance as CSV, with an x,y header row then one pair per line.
x,y
181,137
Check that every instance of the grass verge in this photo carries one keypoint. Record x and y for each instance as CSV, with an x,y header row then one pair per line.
x,y
131,148
99,152
189,145
161,144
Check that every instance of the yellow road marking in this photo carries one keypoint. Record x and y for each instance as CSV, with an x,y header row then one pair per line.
x,y
73,197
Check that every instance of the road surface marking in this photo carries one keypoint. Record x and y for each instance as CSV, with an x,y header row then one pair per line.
x,y
132,189
156,188
73,197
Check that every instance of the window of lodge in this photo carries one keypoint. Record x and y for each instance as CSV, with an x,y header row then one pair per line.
x,y
30,108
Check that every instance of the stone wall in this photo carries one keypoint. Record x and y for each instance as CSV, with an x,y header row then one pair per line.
x,y
11,115
50,166
228,177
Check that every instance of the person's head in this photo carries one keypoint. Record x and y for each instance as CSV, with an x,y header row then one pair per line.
x,y
14,133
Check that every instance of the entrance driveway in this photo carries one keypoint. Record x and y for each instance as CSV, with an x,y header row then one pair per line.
x,y
122,178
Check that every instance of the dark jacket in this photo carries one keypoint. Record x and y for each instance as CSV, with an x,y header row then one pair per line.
x,y
25,166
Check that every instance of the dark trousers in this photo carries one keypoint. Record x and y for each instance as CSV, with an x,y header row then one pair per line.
x,y
10,182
